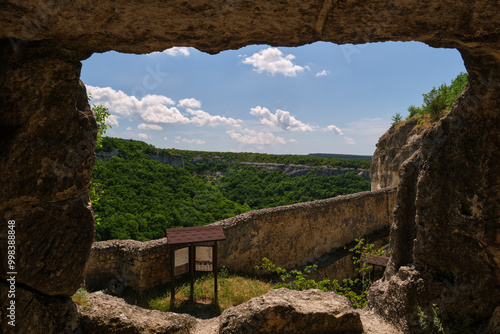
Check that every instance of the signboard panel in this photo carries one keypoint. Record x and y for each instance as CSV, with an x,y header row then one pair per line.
x,y
181,261
204,258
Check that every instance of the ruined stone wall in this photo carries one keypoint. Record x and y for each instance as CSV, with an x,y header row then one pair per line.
x,y
291,236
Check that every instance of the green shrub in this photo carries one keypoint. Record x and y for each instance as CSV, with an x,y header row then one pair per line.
x,y
355,290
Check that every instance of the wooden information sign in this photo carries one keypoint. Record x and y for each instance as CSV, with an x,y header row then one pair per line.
x,y
204,258
181,262
187,257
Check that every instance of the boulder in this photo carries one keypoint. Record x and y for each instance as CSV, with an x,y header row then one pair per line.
x,y
34,313
289,311
107,314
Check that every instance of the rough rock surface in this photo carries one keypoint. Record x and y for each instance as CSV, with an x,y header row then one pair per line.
x,y
393,149
299,170
448,211
108,314
46,157
289,311
35,313
447,215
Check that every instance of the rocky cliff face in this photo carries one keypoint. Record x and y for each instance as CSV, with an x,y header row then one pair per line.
x,y
445,232
164,158
448,206
299,170
393,149
170,159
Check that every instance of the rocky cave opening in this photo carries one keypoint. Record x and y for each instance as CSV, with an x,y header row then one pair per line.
x,y
449,199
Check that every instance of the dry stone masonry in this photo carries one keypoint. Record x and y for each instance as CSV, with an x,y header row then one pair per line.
x,y
291,236
445,233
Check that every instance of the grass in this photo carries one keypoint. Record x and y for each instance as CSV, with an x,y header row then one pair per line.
x,y
233,289
80,297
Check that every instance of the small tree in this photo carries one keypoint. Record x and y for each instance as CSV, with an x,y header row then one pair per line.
x,y
396,119
101,113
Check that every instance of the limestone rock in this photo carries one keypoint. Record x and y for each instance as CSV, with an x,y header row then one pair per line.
x,y
393,149
446,216
46,159
170,159
289,311
108,314
37,314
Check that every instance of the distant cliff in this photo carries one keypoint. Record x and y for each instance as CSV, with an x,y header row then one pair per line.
x,y
299,170
166,158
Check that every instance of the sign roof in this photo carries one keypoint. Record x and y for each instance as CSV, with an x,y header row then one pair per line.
x,y
187,235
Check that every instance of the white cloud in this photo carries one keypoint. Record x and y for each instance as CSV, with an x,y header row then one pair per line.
x,y
151,108
281,119
165,138
335,130
273,61
179,139
193,141
177,51
253,137
143,136
145,126
156,109
189,103
112,120
323,73
201,118
349,141
292,141
129,128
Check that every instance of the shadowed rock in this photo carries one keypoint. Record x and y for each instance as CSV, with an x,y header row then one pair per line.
x,y
108,314
289,311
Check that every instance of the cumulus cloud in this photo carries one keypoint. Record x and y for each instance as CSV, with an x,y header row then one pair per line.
x,y
281,119
334,129
179,139
273,61
177,51
248,136
112,120
292,141
143,136
145,126
323,73
349,141
201,118
151,108
189,103
129,128
193,141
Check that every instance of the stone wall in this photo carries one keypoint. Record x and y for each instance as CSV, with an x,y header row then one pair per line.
x,y
291,236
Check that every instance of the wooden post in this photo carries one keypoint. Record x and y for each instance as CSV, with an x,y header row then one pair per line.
x,y
215,269
192,258
172,276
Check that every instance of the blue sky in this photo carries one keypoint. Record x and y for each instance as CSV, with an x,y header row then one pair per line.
x,y
320,97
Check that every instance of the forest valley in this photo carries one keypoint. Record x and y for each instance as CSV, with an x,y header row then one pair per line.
x,y
136,197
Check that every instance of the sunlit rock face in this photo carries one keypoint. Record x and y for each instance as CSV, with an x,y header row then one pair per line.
x,y
445,234
446,217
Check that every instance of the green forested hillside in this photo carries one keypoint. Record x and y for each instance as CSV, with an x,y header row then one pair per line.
x,y
137,197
